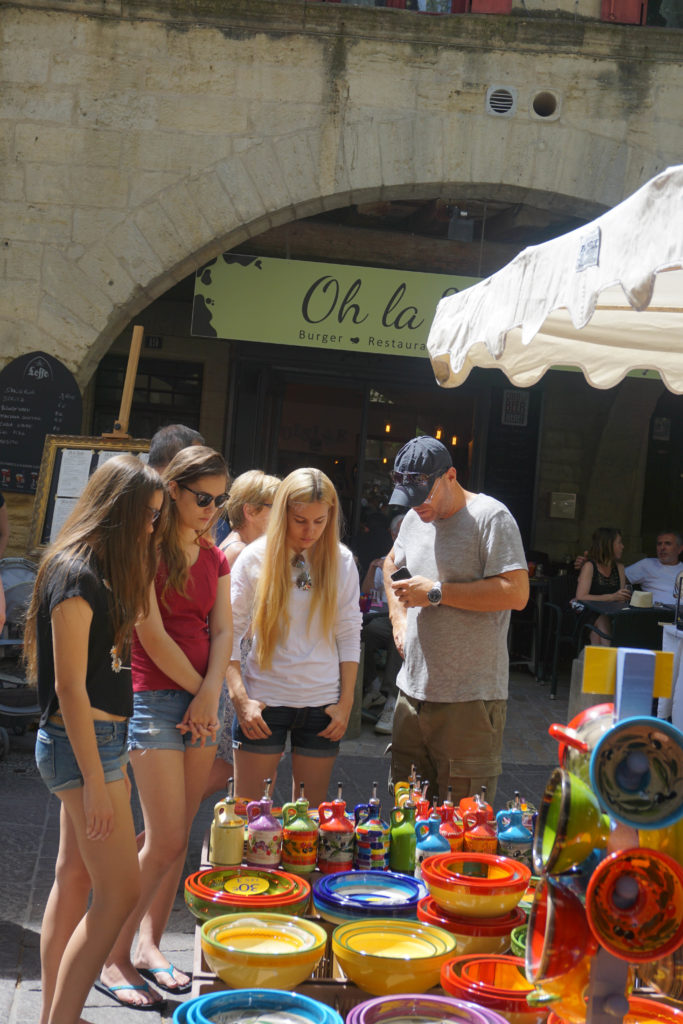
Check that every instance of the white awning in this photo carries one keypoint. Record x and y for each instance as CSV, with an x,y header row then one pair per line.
x,y
607,298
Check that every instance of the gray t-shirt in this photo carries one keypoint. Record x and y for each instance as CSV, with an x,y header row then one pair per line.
x,y
453,655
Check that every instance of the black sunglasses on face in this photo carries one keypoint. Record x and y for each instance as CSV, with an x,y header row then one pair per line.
x,y
204,499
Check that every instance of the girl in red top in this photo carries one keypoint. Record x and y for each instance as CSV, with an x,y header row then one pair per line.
x,y
180,654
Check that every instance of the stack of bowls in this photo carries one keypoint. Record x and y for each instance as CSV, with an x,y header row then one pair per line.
x,y
420,1009
262,950
641,1011
496,982
390,955
475,884
473,934
254,1005
365,895
217,891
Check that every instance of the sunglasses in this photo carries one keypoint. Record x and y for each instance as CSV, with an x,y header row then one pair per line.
x,y
203,499
303,580
413,479
154,514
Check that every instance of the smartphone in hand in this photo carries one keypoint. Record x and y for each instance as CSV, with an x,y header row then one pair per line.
x,y
401,574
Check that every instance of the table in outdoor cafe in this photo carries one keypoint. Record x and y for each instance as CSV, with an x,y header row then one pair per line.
x,y
633,627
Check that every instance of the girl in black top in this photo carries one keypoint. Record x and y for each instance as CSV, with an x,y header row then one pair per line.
x,y
91,587
602,577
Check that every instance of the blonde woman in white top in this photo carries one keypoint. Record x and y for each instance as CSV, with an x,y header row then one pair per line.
x,y
295,596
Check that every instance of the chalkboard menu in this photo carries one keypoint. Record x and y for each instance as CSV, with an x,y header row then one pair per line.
x,y
66,466
38,396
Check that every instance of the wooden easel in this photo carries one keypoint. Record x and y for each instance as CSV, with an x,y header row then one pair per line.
x,y
121,424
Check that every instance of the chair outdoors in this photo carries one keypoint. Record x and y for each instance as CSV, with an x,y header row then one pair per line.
x,y
563,626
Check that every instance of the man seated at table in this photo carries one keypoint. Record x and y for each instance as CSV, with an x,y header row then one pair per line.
x,y
657,575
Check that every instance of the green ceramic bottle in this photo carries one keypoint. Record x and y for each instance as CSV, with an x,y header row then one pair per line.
x,y
403,838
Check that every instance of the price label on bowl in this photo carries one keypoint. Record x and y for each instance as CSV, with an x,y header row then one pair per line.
x,y
246,885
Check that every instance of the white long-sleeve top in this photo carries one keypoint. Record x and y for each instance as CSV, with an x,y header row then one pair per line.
x,y
305,667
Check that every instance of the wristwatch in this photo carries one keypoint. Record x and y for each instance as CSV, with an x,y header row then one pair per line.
x,y
434,595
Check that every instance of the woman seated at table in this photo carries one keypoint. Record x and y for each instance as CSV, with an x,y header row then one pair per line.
x,y
602,578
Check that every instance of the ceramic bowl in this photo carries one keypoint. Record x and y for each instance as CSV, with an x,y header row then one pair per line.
x,y
472,934
420,1009
254,1005
634,904
637,771
226,890
389,955
262,950
496,982
641,1011
354,895
559,936
495,890
518,940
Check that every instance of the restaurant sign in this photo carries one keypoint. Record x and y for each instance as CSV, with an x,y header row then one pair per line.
x,y
319,305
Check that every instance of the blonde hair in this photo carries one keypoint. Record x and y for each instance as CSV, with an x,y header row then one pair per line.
x,y
251,488
110,519
188,466
270,619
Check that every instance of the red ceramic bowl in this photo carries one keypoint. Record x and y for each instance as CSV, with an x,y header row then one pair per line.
x,y
206,897
496,982
473,934
475,884
641,1011
558,937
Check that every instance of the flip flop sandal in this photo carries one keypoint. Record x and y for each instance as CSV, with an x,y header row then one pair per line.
x,y
111,990
151,974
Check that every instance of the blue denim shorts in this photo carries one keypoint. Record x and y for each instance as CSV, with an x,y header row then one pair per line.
x,y
57,762
156,713
304,724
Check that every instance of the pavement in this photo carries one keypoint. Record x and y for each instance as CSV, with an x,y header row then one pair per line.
x,y
29,834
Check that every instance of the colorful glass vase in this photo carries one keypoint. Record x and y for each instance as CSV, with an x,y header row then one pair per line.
x,y
299,837
372,836
335,836
264,832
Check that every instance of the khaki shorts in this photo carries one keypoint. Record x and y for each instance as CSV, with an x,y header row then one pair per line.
x,y
458,745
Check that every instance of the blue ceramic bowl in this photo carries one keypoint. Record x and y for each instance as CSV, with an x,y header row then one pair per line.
x,y
349,895
256,1002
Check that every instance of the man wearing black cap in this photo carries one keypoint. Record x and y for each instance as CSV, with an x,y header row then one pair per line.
x,y
467,570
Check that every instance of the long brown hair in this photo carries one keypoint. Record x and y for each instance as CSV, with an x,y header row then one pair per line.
x,y
188,466
111,520
271,618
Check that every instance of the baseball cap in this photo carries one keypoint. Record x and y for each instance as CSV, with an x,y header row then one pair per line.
x,y
416,467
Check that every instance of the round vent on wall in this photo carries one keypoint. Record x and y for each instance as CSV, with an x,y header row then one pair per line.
x,y
501,100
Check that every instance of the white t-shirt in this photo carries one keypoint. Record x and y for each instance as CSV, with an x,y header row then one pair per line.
x,y
305,668
659,579
451,654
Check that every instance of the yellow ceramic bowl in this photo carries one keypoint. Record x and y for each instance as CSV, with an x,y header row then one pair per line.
x,y
386,956
262,950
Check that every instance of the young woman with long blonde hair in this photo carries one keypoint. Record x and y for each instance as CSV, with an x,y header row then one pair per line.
x,y
295,597
92,585
181,650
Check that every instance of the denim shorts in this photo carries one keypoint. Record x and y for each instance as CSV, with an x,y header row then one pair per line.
x,y
156,713
303,723
57,762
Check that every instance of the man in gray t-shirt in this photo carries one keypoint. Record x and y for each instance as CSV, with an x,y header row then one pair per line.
x,y
467,570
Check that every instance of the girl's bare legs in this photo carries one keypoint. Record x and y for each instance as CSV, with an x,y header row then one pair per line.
x,y
111,865
250,771
66,905
315,773
170,783
197,763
